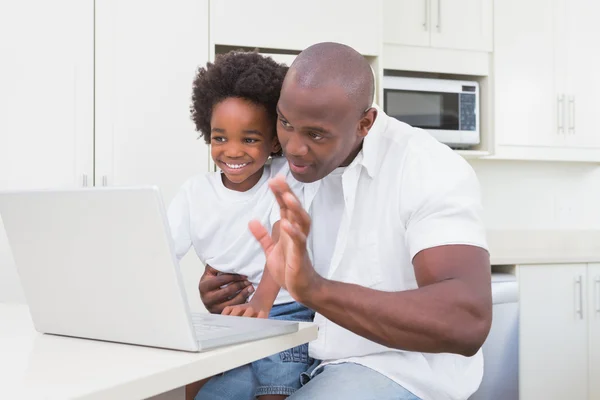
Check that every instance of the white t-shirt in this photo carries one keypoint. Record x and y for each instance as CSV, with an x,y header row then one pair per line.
x,y
328,205
403,193
214,220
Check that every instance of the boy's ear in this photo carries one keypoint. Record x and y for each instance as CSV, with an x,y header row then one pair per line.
x,y
276,146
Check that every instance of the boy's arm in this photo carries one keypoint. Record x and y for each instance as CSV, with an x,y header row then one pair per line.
x,y
260,305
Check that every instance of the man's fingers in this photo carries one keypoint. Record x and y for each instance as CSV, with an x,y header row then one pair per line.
x,y
262,235
215,282
210,271
294,233
296,214
231,291
240,298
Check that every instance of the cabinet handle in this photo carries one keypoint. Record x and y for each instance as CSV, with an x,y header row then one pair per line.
x,y
84,180
560,114
579,301
597,286
439,16
426,15
104,180
572,115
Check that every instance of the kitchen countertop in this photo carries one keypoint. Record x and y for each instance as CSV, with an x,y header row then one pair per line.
x,y
519,247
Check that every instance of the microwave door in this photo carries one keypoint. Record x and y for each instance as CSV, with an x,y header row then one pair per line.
x,y
436,112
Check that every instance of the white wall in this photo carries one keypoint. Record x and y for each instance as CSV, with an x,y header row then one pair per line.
x,y
539,195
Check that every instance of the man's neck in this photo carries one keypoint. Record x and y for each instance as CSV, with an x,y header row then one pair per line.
x,y
353,155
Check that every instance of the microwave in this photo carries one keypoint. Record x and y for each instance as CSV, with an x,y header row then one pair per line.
x,y
447,109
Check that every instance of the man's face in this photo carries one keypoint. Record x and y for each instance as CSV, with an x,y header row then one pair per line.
x,y
318,128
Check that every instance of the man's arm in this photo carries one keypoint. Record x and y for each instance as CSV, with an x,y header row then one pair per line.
x,y
450,312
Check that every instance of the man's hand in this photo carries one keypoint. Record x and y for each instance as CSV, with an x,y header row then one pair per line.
x,y
287,260
247,310
218,291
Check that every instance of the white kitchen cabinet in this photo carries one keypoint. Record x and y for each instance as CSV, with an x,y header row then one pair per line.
x,y
594,330
444,24
545,97
274,24
582,57
406,22
553,359
46,104
146,57
462,24
46,93
526,92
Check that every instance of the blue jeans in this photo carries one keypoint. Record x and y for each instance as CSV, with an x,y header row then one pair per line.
x,y
348,381
278,374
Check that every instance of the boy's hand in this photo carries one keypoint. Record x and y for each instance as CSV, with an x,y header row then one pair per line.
x,y
218,291
246,310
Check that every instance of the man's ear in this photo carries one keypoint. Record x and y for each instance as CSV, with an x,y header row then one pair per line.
x,y
367,121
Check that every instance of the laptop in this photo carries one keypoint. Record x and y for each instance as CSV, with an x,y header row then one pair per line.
x,y
99,263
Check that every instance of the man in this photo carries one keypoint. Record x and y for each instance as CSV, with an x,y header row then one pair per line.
x,y
400,276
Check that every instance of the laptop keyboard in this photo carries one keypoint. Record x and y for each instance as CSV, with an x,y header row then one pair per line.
x,y
202,328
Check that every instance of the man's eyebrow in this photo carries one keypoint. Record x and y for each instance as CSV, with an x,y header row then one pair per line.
x,y
280,113
315,129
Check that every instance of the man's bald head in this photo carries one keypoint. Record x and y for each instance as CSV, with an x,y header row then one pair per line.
x,y
334,64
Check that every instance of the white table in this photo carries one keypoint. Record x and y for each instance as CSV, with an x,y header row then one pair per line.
x,y
36,366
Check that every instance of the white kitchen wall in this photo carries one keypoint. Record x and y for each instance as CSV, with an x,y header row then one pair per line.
x,y
539,195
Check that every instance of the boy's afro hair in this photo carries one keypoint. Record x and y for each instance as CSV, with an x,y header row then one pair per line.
x,y
246,75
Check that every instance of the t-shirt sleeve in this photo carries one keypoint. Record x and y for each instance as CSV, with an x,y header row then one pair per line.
x,y
440,200
179,222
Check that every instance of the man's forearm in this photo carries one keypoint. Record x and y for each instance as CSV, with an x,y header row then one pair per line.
x,y
439,318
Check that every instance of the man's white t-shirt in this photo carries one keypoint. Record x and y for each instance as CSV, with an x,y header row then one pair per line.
x,y
403,193
214,221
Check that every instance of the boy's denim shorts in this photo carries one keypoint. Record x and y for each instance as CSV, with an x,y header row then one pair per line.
x,y
278,374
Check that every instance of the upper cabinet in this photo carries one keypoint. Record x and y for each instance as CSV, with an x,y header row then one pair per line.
x,y
46,93
545,89
274,24
444,24
145,66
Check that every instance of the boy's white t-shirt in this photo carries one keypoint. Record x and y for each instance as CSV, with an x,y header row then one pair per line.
x,y
214,220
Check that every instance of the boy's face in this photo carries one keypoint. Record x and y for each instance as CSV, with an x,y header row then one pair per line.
x,y
242,139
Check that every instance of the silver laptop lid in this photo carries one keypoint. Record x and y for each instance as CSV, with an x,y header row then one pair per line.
x,y
98,263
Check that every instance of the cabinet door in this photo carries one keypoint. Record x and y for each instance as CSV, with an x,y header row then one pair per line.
x,y
594,331
526,96
462,24
553,355
274,24
46,93
46,104
406,22
146,57
583,86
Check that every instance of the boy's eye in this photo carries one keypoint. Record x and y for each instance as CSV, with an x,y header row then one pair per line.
x,y
250,141
218,139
